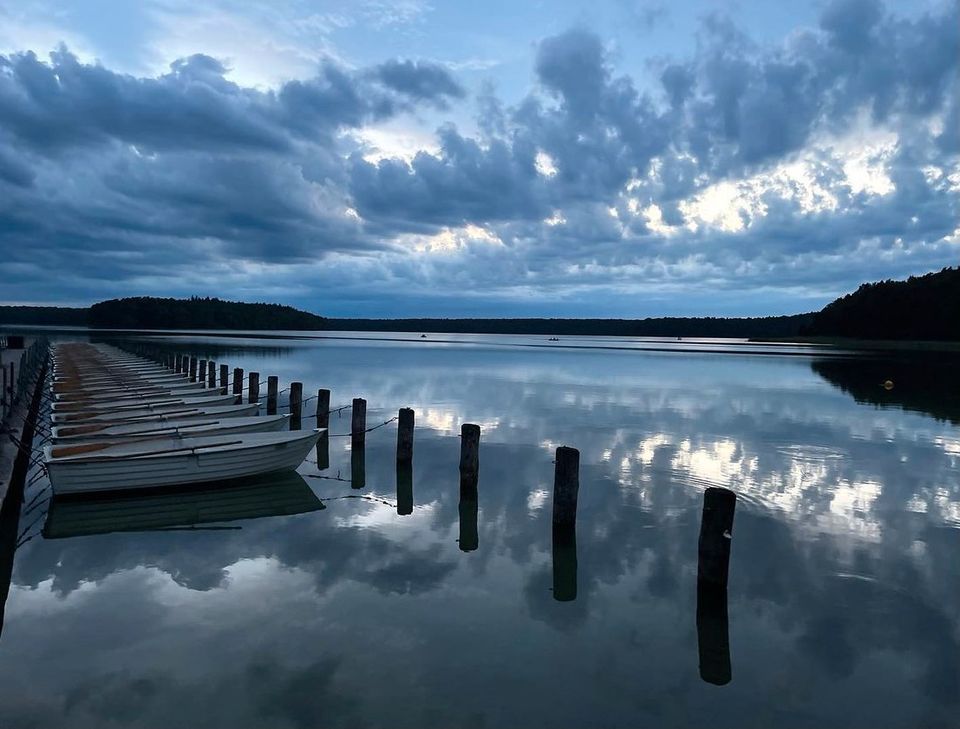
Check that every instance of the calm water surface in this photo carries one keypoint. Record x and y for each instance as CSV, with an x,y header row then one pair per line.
x,y
324,606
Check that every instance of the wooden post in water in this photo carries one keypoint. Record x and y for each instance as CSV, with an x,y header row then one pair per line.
x,y
237,381
296,405
469,459
3,395
253,387
716,533
193,369
202,372
272,395
177,363
405,422
404,487
566,486
224,378
211,374
358,419
323,408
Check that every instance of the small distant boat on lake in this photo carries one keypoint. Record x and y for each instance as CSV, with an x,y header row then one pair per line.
x,y
173,461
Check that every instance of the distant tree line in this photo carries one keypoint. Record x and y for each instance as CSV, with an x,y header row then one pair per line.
x,y
920,308
145,312
768,326
44,315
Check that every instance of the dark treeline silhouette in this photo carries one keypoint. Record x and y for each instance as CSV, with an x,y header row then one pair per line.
x,y
768,326
920,308
198,313
44,315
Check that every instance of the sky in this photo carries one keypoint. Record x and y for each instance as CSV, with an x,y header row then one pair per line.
x,y
621,158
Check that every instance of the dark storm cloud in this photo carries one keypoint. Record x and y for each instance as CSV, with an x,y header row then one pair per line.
x,y
106,177
420,80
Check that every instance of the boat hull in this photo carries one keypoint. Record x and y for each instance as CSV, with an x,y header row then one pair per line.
x,y
203,465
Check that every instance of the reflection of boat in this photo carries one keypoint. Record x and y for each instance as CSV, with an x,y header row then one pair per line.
x,y
273,495
188,426
81,412
172,461
147,415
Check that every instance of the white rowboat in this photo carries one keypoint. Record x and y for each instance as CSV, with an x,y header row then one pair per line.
x,y
174,461
164,415
73,435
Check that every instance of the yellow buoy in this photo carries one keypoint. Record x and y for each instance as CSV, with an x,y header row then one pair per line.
x,y
888,385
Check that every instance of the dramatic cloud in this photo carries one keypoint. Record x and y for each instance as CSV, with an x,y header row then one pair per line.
x,y
745,177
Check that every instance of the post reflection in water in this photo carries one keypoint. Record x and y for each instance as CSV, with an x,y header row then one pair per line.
x,y
843,579
469,537
713,639
404,487
323,452
564,563
358,466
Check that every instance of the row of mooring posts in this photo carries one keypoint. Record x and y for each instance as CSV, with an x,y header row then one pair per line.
x,y
716,523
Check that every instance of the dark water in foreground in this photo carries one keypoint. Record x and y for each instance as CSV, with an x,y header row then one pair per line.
x,y
843,606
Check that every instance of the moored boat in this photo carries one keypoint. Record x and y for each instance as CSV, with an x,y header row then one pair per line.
x,y
162,415
205,397
61,414
183,426
174,461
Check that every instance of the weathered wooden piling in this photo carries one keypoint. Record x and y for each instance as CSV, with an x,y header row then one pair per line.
x,y
566,486
358,418
253,387
202,372
564,562
296,405
211,374
178,364
224,379
469,458
716,533
323,408
405,421
469,539
272,394
404,487
3,395
193,369
358,466
713,633
237,380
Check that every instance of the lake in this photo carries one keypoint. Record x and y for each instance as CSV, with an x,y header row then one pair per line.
x,y
350,598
